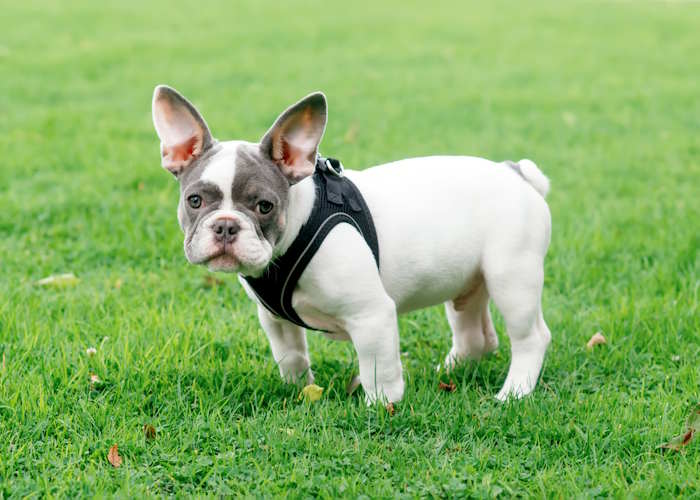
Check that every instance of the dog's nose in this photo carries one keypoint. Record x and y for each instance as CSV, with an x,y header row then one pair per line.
x,y
225,230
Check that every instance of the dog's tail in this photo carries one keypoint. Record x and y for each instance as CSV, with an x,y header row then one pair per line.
x,y
534,176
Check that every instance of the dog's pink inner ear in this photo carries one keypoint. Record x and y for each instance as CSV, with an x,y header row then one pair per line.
x,y
181,130
294,145
181,153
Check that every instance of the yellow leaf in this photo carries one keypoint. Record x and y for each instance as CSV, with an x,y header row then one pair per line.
x,y
311,393
59,280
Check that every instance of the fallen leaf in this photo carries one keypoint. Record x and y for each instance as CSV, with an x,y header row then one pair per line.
x,y
390,409
311,393
90,351
596,339
352,385
140,186
211,281
447,387
113,456
692,425
59,280
149,431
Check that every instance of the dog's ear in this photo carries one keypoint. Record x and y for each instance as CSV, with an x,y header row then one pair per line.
x,y
183,133
292,142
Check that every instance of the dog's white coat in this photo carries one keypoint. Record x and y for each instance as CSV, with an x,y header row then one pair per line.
x,y
459,229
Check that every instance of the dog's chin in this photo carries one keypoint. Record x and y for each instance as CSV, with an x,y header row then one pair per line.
x,y
227,262
223,263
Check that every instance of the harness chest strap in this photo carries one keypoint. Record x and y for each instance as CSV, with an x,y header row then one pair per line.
x,y
337,200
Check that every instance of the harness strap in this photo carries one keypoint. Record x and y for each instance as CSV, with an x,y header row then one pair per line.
x,y
337,200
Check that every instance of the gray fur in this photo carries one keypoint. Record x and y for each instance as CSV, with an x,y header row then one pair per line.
x,y
258,178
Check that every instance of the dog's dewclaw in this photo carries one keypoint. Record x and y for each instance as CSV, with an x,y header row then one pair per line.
x,y
596,339
353,385
59,280
311,393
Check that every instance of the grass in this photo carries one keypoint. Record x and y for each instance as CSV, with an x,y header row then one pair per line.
x,y
602,95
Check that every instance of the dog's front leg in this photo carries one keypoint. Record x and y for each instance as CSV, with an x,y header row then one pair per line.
x,y
375,335
288,344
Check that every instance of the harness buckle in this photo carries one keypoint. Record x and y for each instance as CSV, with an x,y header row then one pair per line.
x,y
334,166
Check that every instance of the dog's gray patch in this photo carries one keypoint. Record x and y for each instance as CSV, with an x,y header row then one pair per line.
x,y
258,178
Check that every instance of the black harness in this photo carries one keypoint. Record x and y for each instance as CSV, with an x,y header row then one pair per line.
x,y
337,200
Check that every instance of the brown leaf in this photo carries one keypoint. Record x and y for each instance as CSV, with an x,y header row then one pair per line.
x,y
447,387
679,442
211,281
140,186
596,339
149,431
692,425
390,409
113,456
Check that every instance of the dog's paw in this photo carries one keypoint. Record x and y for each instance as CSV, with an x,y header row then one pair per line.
x,y
389,392
296,370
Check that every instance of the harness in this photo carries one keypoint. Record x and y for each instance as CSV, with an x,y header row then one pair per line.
x,y
337,200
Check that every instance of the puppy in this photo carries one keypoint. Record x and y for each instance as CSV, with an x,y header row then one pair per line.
x,y
456,230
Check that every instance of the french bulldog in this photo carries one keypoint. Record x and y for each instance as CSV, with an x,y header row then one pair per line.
x,y
456,230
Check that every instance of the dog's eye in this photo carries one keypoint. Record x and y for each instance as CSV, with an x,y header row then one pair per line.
x,y
194,200
265,207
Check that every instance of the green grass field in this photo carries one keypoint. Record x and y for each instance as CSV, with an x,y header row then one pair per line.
x,y
603,96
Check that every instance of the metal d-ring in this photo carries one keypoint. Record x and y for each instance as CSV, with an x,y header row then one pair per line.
x,y
330,167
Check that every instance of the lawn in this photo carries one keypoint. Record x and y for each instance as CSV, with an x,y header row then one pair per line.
x,y
603,96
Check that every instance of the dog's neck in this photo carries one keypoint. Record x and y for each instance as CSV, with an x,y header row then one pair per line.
x,y
300,203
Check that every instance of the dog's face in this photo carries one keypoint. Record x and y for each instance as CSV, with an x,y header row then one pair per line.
x,y
234,195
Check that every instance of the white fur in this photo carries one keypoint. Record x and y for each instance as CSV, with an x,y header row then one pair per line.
x,y
221,171
534,176
453,230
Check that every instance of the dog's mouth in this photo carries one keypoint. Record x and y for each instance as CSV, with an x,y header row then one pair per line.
x,y
223,259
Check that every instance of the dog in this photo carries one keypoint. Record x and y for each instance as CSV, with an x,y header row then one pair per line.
x,y
456,230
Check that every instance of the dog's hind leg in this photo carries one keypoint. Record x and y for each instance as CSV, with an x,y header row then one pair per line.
x,y
516,290
473,334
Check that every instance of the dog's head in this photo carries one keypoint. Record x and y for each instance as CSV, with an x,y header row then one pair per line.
x,y
234,195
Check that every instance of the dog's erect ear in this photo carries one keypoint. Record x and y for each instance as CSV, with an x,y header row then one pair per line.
x,y
183,133
292,142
